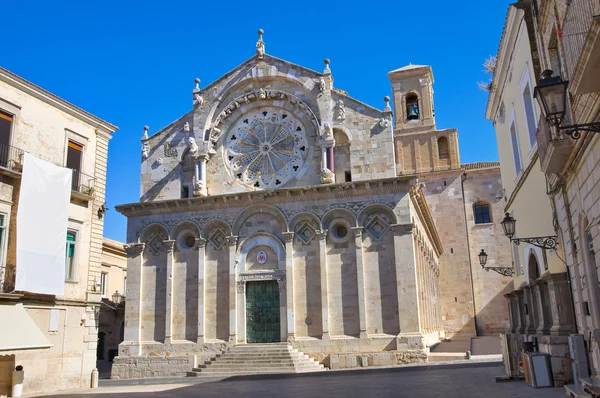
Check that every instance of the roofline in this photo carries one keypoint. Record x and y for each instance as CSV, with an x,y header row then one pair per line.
x,y
54,100
501,59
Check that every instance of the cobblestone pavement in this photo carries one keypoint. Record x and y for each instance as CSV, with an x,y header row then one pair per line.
x,y
448,382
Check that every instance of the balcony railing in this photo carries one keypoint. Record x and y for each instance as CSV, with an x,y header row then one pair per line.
x,y
554,147
11,158
82,183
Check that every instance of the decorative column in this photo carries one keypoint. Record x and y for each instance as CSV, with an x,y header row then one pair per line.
x,y
360,279
201,246
169,247
321,236
289,277
241,303
405,254
327,144
232,243
283,329
133,299
200,175
563,320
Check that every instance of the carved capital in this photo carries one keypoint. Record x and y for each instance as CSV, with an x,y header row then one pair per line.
x,y
321,234
232,240
169,245
241,287
288,236
200,243
134,249
402,229
357,231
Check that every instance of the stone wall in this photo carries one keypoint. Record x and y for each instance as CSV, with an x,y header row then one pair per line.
x,y
390,358
144,367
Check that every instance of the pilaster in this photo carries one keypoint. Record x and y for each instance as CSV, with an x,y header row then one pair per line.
x,y
169,247
322,236
406,278
133,299
360,279
232,244
289,277
201,247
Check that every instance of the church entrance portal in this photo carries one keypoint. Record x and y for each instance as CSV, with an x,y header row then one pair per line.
x,y
262,312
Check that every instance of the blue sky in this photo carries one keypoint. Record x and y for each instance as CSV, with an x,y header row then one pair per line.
x,y
134,63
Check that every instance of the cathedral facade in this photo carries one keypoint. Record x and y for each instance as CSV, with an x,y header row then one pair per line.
x,y
279,209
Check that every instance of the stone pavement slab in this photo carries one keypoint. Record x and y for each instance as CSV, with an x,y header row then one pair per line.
x,y
439,381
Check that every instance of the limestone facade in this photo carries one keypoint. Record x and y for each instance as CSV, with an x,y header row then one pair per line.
x,y
44,125
359,216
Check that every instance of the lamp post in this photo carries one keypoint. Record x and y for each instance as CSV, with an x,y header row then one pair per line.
x,y
117,298
545,242
506,271
551,93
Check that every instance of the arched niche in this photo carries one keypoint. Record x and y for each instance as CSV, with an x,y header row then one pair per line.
x,y
376,220
341,156
185,234
259,240
252,210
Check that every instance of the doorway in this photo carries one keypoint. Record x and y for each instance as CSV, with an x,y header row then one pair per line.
x,y
262,312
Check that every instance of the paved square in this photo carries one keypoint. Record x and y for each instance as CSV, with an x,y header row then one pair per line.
x,y
437,381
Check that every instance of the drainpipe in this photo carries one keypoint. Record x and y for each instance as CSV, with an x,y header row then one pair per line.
x,y
463,177
18,376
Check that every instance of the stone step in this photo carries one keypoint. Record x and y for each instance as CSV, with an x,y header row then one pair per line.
x,y
257,360
243,369
258,356
231,374
446,356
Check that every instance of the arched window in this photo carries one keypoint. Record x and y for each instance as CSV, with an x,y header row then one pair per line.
x,y
412,107
533,268
443,148
482,213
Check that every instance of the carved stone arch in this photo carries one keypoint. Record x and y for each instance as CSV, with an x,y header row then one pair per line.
x,y
376,220
154,236
533,263
151,229
249,211
305,226
338,213
185,234
212,224
342,130
260,239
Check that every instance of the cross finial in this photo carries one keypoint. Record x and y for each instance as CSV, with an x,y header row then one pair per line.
x,y
145,136
197,88
260,44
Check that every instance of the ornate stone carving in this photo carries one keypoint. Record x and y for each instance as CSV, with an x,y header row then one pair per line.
x,y
288,236
384,123
260,45
198,100
321,85
321,234
357,231
186,127
199,187
376,226
169,245
339,111
266,148
232,240
305,232
327,176
192,146
200,243
133,249
170,151
155,243
217,238
262,276
145,150
241,287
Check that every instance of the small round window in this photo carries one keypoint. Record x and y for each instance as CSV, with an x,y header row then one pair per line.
x,y
339,231
190,241
186,240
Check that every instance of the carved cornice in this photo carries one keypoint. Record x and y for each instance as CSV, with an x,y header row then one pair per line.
x,y
284,195
418,198
134,249
271,275
402,229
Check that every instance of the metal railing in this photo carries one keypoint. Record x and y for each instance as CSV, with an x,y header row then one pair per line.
x,y
578,21
82,183
11,157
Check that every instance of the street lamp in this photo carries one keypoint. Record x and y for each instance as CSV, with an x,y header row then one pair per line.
x,y
545,242
506,271
551,93
117,298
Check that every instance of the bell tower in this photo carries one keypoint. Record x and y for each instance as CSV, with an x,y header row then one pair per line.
x,y
413,98
419,146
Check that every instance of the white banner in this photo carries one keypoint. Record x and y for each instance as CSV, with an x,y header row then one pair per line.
x,y
42,219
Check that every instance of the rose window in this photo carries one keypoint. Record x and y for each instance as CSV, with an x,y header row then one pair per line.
x,y
266,148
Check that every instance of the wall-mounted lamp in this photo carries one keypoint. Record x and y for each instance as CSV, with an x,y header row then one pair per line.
x,y
102,210
506,271
117,298
545,242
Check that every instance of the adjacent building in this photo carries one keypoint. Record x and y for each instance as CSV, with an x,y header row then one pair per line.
x,y
540,304
563,40
279,208
52,337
